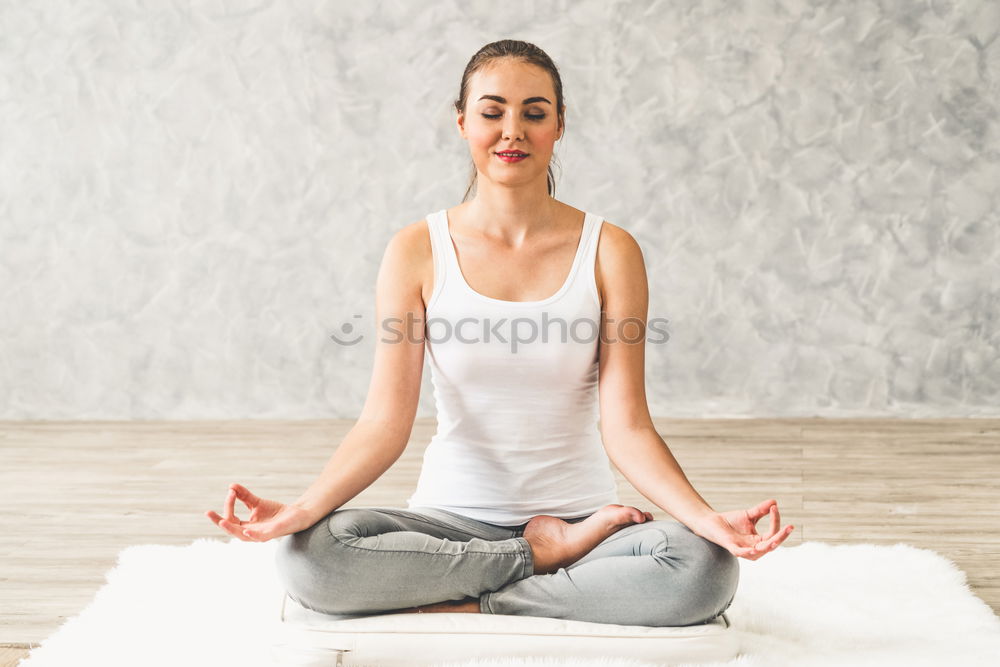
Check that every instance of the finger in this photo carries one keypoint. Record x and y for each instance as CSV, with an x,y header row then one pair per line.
x,y
773,527
745,545
243,493
784,534
259,533
649,516
758,550
765,544
246,534
230,508
773,542
233,529
748,553
761,510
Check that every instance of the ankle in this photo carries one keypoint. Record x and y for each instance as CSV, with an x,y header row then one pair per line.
x,y
544,555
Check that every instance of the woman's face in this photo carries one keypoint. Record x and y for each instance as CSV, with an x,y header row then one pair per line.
x,y
511,106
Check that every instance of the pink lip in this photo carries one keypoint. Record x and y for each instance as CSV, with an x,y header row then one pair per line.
x,y
515,158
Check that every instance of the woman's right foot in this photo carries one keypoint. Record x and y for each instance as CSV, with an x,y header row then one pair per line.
x,y
556,543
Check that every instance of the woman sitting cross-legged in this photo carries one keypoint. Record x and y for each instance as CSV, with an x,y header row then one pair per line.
x,y
533,315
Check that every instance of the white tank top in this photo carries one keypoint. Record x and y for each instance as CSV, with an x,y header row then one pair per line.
x,y
516,395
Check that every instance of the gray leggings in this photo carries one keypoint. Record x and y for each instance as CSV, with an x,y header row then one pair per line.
x,y
370,560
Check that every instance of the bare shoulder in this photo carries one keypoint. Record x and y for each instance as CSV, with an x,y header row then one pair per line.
x,y
616,241
620,264
408,258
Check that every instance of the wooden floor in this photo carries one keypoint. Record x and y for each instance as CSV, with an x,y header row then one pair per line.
x,y
75,493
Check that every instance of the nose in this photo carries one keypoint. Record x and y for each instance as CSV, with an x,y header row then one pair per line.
x,y
512,127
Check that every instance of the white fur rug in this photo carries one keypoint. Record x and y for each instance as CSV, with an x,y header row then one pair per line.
x,y
216,603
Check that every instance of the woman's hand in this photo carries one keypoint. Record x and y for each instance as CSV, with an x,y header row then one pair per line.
x,y
269,519
737,530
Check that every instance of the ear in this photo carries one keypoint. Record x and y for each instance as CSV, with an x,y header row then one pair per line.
x,y
460,121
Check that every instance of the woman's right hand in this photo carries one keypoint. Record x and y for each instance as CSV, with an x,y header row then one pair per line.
x,y
269,519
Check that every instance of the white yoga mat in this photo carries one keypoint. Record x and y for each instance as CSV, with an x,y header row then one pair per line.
x,y
216,602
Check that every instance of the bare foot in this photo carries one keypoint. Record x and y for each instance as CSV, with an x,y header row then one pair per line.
x,y
556,543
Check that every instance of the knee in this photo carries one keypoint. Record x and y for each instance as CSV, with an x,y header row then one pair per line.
x,y
717,574
298,564
310,566
712,573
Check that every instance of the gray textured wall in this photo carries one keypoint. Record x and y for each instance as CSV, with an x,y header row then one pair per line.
x,y
194,196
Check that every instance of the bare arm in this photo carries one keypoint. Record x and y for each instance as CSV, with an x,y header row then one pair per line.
x,y
381,433
629,436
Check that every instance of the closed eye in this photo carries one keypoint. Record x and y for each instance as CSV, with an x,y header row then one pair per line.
x,y
494,116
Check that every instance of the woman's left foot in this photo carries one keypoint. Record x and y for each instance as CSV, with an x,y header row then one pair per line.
x,y
556,543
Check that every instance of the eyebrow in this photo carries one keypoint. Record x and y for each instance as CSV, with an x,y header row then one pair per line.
x,y
501,100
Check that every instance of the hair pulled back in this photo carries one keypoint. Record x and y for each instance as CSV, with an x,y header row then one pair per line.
x,y
519,51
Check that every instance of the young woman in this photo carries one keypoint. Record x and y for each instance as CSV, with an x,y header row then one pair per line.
x,y
515,511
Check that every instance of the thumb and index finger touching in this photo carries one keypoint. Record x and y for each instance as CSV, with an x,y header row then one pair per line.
x,y
768,507
243,493
775,534
230,523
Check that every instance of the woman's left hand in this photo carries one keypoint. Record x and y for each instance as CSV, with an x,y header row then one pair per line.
x,y
737,530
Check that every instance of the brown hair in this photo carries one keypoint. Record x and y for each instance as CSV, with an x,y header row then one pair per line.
x,y
517,50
